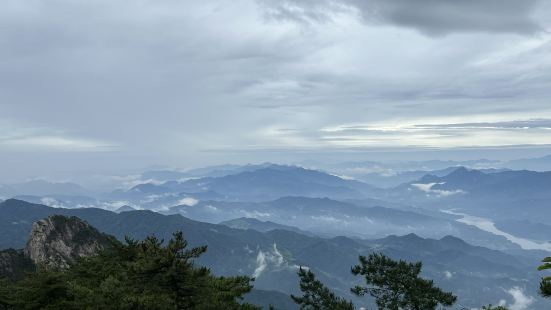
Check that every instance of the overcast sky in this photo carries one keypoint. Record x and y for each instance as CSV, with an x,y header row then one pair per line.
x,y
111,85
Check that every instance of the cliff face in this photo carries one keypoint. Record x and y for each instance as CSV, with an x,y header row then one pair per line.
x,y
57,241
54,242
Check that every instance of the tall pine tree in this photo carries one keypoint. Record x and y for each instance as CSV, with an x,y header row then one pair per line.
x,y
316,296
396,284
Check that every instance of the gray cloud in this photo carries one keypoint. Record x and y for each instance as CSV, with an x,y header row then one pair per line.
x,y
520,124
166,82
432,17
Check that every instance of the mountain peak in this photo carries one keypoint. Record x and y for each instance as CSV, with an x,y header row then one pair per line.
x,y
125,208
462,172
411,237
451,240
14,203
57,241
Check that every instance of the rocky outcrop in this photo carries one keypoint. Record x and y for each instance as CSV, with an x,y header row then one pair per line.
x,y
54,242
57,241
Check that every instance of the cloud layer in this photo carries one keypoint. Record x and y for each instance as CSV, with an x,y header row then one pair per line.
x,y
200,82
431,17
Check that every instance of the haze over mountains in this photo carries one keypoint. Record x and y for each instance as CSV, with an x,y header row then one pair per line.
x,y
273,256
480,229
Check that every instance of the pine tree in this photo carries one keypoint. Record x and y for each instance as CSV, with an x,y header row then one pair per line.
x,y
132,275
545,284
5,292
396,284
316,296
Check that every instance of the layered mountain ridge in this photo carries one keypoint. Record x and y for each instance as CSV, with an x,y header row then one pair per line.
x,y
272,257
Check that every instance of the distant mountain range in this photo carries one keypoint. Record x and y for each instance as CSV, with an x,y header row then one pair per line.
x,y
536,164
377,173
392,173
209,171
294,196
265,220
42,187
526,229
61,201
270,182
501,195
478,275
262,226
258,184
508,183
327,217
381,174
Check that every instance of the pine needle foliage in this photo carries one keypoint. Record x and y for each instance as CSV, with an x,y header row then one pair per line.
x,y
396,285
545,283
132,275
316,296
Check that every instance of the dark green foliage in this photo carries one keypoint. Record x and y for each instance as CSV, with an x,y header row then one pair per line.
x,y
41,290
14,264
272,300
134,275
316,296
5,294
397,285
545,284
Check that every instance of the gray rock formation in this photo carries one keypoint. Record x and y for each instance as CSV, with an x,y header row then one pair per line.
x,y
57,241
